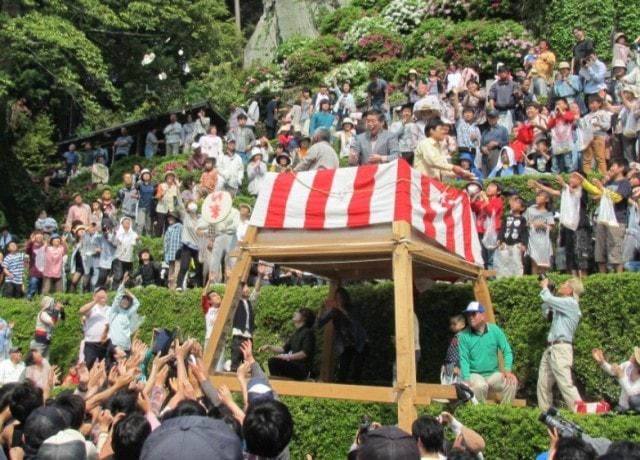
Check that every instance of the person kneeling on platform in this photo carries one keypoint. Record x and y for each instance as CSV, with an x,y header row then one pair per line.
x,y
479,344
295,358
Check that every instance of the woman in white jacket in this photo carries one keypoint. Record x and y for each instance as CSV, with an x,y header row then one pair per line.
x,y
256,171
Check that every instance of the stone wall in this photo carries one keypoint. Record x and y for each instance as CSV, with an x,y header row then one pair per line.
x,y
281,20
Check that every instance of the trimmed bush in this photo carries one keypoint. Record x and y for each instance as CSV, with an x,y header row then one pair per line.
x,y
483,42
609,309
306,66
326,428
397,70
378,46
339,21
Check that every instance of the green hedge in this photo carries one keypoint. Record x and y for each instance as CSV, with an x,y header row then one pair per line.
x,y
610,320
510,433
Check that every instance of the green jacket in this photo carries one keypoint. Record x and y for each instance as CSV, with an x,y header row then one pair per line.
x,y
479,352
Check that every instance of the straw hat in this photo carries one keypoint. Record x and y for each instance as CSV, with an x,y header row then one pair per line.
x,y
618,63
348,120
413,71
170,173
618,36
564,65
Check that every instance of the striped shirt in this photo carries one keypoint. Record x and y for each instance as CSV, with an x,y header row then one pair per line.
x,y
172,242
15,264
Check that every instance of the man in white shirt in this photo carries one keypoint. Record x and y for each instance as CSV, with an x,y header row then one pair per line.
x,y
211,144
253,115
11,369
245,214
173,135
96,327
231,169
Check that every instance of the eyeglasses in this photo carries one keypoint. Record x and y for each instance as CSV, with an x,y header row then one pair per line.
x,y
473,313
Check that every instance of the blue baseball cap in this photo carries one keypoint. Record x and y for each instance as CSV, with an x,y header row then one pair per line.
x,y
474,307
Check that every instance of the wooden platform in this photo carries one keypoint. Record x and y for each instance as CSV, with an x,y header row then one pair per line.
x,y
386,251
425,392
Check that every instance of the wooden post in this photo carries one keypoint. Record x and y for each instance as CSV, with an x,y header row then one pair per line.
x,y
229,302
236,7
327,361
404,324
482,295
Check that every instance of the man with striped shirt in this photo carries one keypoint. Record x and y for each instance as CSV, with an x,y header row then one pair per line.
x,y
13,268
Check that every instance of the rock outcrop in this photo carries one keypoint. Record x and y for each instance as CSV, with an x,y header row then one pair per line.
x,y
283,19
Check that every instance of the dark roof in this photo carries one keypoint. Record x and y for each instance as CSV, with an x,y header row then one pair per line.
x,y
106,135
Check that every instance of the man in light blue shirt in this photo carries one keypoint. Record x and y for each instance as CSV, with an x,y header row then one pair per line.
x,y
557,359
592,73
566,85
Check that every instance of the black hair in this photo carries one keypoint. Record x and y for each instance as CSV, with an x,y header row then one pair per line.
x,y
622,162
39,426
28,359
574,449
125,401
142,251
432,124
241,116
267,428
595,98
5,395
72,408
377,113
457,319
346,298
185,408
522,203
429,432
308,315
129,435
624,450
24,399
460,454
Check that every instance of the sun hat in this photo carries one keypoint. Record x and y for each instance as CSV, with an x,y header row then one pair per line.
x,y
618,63
618,36
564,65
414,71
348,120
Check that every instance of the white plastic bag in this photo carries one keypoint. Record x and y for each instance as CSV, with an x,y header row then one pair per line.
x,y
507,261
584,136
606,212
569,208
490,238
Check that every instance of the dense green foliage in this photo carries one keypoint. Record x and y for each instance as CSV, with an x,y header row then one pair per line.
x,y
610,315
609,320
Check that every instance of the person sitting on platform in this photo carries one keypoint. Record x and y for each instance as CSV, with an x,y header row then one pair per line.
x,y
479,344
350,340
295,358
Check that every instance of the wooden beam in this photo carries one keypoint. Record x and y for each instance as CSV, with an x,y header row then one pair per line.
x,y
404,327
316,390
297,251
229,303
442,260
482,295
327,361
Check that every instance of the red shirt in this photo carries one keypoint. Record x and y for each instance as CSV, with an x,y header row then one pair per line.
x,y
484,210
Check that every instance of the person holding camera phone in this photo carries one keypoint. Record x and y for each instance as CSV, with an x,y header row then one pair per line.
x,y
51,311
557,360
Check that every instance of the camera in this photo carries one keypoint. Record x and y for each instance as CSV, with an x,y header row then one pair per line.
x,y
567,429
551,285
564,427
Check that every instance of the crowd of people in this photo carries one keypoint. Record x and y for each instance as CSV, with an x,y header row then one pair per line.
x,y
566,119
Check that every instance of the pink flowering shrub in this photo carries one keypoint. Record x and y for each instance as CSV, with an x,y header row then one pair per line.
x,y
483,42
378,45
